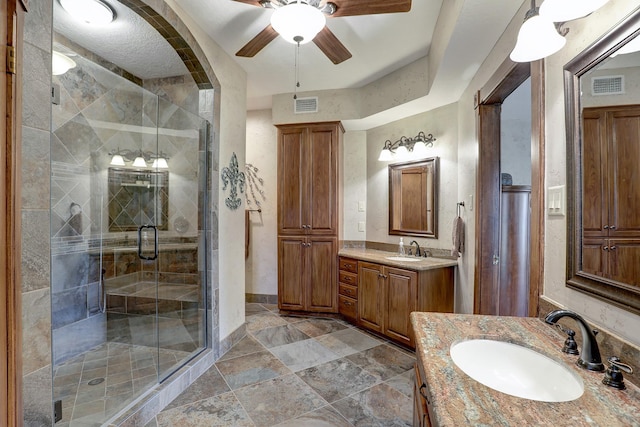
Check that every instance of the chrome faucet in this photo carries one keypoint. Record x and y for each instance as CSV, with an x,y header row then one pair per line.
x,y
590,354
418,253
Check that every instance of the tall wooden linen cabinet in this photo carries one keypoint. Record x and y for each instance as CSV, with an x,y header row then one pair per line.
x,y
308,211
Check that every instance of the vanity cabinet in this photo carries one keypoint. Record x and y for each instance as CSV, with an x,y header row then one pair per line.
x,y
308,210
387,295
420,394
611,228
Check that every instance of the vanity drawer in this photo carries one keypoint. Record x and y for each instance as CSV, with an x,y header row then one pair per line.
x,y
348,291
348,264
348,278
348,307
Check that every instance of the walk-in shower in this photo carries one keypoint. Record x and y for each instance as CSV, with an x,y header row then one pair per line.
x,y
128,247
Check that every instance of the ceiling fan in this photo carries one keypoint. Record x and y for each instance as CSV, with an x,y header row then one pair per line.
x,y
325,39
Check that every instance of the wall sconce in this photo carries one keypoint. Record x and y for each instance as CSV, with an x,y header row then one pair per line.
x,y
139,158
61,63
541,34
400,149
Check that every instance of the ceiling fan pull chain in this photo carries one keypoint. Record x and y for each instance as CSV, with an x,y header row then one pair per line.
x,y
296,72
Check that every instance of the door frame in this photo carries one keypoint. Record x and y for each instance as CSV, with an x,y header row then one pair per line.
x,y
488,102
12,18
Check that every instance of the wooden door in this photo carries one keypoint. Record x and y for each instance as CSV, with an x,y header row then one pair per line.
x,y
400,301
370,296
322,190
291,265
321,271
624,173
292,181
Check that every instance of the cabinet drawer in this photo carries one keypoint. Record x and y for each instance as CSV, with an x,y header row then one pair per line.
x,y
348,278
348,291
348,264
348,307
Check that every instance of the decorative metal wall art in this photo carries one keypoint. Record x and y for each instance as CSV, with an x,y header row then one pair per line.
x,y
256,187
236,179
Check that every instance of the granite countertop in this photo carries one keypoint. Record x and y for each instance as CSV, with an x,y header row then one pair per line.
x,y
380,257
457,400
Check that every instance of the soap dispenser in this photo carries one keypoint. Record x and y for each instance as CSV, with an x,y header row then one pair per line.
x,y
401,247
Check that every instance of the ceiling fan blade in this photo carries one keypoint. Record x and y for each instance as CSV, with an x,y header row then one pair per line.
x,y
331,46
258,43
370,7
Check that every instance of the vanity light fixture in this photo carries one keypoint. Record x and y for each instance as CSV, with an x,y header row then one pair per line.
x,y
406,147
61,63
298,22
139,158
568,10
538,37
95,12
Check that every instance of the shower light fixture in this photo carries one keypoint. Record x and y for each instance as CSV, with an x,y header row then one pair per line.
x,y
61,63
95,12
139,158
406,147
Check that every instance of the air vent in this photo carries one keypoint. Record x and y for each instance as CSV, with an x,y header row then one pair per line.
x,y
607,85
305,105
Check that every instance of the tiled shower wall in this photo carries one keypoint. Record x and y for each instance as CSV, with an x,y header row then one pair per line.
x,y
36,195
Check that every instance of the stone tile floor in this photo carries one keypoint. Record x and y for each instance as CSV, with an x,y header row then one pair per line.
x,y
299,371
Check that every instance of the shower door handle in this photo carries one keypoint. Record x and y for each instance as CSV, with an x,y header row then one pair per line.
x,y
155,242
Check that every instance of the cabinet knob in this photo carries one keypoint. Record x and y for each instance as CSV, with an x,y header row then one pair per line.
x,y
606,227
606,248
614,247
347,303
612,227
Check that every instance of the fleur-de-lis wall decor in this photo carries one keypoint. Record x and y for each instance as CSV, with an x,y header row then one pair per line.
x,y
232,176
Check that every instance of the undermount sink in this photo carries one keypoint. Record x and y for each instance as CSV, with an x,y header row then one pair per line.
x,y
404,258
516,370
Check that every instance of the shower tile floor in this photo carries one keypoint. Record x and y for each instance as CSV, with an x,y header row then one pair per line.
x,y
299,371
97,384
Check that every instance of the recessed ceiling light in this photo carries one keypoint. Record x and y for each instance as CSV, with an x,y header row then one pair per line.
x,y
94,12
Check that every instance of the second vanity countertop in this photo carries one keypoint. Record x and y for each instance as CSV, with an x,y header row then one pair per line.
x,y
381,257
456,399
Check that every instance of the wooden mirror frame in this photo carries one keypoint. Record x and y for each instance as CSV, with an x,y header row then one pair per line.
x,y
620,294
426,195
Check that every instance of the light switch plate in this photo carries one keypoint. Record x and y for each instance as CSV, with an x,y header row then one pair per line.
x,y
361,226
556,201
361,206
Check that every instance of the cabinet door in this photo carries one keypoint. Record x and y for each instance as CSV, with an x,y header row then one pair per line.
x,y
595,182
322,295
595,256
291,265
624,174
370,296
624,265
322,175
400,301
292,181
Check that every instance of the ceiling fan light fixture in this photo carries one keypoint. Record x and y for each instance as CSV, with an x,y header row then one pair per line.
x,y
537,39
298,22
568,10
94,12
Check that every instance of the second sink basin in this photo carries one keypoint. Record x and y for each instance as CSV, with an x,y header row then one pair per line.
x,y
404,258
516,370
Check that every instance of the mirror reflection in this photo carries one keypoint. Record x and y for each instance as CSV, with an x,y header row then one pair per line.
x,y
413,189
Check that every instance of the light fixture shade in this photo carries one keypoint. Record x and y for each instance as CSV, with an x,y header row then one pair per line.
x,y
419,149
160,163
298,22
537,39
402,152
567,10
94,12
385,155
60,63
139,162
117,160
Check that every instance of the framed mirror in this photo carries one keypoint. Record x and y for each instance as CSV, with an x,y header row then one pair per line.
x,y
413,201
602,95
